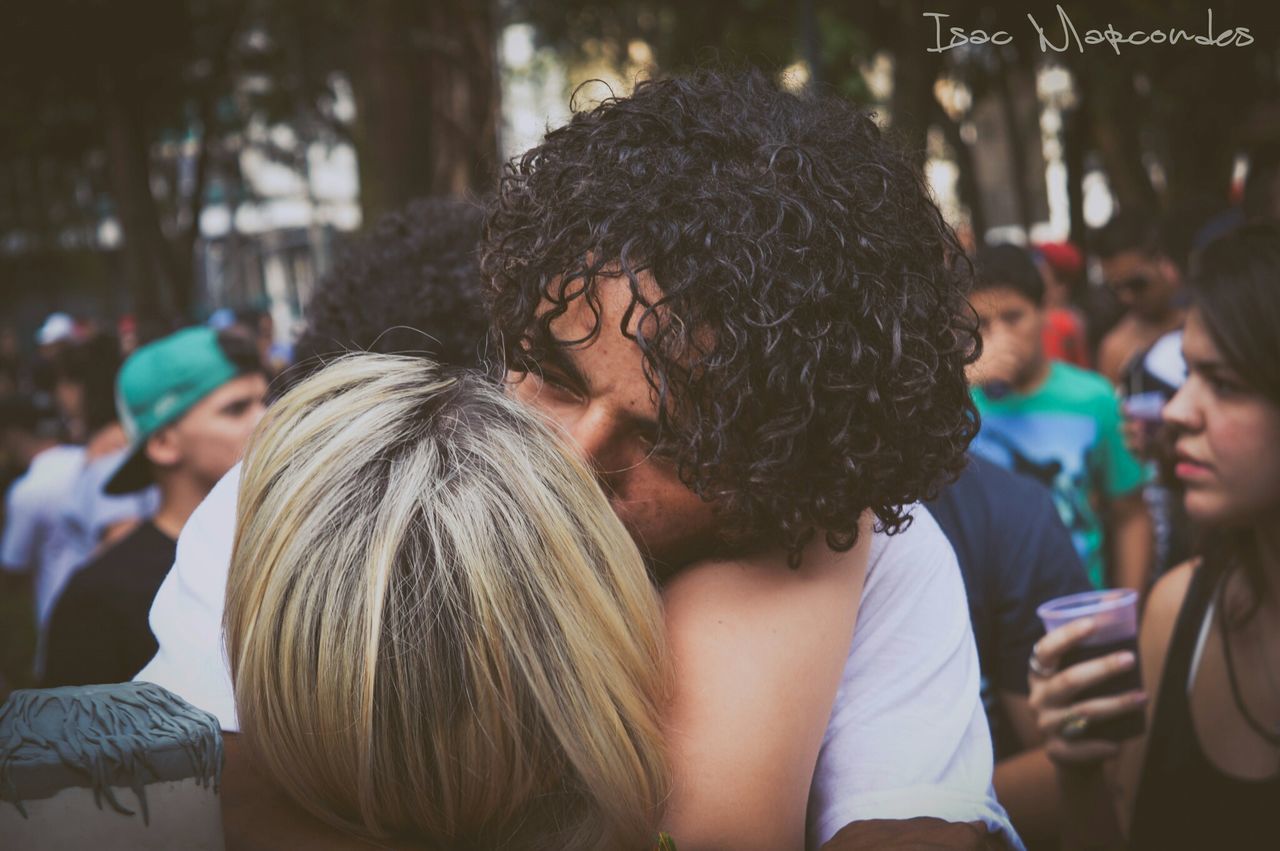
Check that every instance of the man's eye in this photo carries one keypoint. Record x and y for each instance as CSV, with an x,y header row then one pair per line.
x,y
655,446
559,383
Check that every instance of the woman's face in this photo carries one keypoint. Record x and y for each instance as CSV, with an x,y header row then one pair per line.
x,y
1228,444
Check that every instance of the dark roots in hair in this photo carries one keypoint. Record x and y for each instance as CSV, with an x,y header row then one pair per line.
x,y
808,346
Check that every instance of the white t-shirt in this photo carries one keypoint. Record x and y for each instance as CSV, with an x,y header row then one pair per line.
x,y
35,540
91,511
907,735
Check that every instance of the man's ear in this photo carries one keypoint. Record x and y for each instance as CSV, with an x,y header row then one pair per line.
x,y
1169,270
163,449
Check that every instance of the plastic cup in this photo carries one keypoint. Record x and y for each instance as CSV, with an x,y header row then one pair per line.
x,y
1114,612
1146,407
1115,617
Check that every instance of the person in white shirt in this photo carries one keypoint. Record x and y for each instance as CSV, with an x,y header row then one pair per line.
x,y
35,543
704,287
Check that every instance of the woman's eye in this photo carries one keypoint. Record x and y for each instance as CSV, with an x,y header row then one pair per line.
x,y
1223,385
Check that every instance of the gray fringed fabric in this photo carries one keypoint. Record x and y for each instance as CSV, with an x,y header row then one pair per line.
x,y
127,734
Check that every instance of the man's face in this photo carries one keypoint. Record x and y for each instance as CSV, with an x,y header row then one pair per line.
x,y
597,393
1011,325
1142,284
210,438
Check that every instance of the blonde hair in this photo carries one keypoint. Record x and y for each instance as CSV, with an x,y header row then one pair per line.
x,y
437,626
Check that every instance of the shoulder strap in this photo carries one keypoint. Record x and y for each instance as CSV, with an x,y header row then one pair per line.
x,y
1186,632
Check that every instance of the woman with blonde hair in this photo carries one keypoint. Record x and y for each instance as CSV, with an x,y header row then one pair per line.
x,y
438,629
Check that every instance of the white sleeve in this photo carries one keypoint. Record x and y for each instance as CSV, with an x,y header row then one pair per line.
x,y
908,736
186,616
21,532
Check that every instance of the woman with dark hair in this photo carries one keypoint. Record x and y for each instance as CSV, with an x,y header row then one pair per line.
x,y
1206,774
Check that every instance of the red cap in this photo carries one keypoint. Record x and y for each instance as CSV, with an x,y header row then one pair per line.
x,y
1064,257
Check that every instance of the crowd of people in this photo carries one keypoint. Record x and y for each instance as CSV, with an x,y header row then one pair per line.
x,y
697,485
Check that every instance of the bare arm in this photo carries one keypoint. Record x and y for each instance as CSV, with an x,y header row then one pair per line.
x,y
1134,541
1112,352
758,650
1027,783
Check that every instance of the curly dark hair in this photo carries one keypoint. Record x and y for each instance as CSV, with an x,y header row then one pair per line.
x,y
410,285
808,349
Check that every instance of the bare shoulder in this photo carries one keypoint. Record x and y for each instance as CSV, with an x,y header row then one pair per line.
x,y
1163,604
758,651
1158,620
1116,347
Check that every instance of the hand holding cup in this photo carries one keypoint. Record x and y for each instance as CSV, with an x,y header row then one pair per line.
x,y
1085,687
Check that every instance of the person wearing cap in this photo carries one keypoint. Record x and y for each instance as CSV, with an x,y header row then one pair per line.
x,y
1061,266
188,403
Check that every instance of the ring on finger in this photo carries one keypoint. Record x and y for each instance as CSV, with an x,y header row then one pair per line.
x,y
1074,727
1039,668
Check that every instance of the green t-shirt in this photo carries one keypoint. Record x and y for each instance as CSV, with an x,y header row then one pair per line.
x,y
1066,434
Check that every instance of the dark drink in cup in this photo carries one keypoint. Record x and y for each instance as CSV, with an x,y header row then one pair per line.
x,y
1115,616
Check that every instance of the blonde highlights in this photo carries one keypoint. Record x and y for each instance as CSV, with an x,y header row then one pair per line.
x,y
437,626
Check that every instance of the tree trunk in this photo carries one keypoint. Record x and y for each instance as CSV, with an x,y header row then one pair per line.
x,y
1074,131
1200,152
184,272
914,74
967,180
129,171
425,80
1017,146
1117,126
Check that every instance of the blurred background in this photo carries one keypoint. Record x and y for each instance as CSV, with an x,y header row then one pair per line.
x,y
162,159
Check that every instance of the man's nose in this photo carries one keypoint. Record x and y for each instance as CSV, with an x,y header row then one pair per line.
x,y
593,435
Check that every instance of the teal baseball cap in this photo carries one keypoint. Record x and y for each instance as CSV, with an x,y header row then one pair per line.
x,y
157,385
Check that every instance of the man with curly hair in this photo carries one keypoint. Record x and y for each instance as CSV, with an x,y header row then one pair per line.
x,y
743,307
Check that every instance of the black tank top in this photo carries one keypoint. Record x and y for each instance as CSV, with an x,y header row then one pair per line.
x,y
1183,800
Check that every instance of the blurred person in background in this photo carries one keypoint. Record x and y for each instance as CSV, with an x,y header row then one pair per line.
x,y
56,332
1055,422
1206,773
1148,383
1062,266
87,518
92,516
1143,270
11,378
190,401
127,332
260,327
35,541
